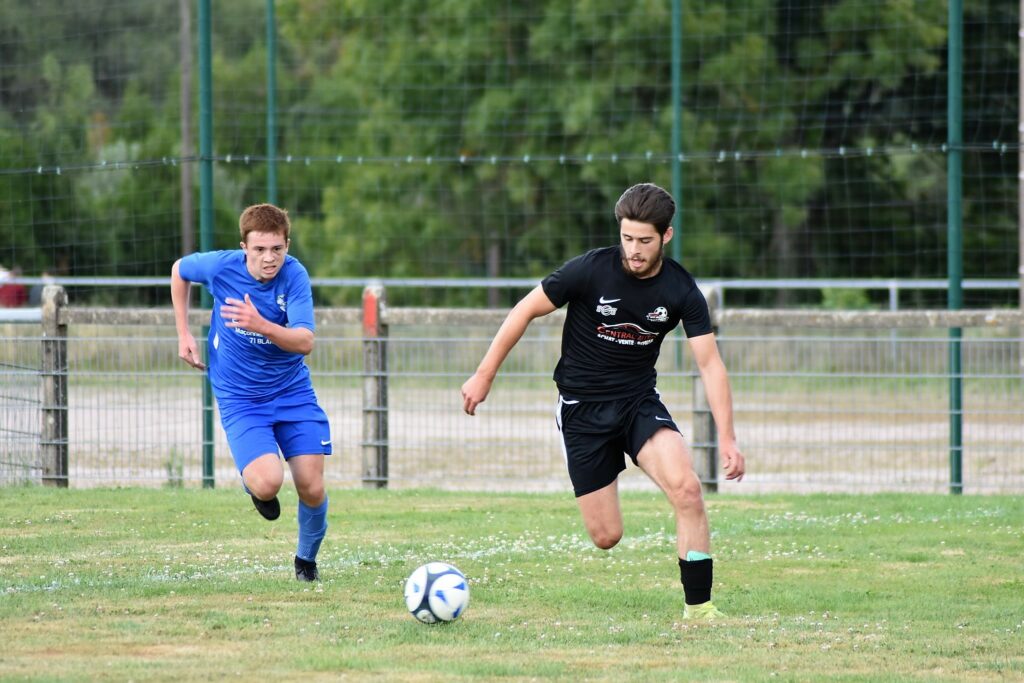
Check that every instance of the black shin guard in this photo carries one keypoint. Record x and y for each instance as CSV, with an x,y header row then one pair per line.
x,y
696,578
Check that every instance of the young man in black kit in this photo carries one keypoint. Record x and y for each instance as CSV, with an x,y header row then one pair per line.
x,y
623,302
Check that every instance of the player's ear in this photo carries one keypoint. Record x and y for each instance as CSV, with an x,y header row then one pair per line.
x,y
667,236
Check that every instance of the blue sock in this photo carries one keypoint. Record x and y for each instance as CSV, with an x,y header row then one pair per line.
x,y
312,527
696,556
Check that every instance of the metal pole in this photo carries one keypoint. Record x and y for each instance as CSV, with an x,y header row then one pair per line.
x,y
954,118
677,125
677,149
205,132
705,433
375,389
271,104
1020,169
894,305
188,242
206,213
53,439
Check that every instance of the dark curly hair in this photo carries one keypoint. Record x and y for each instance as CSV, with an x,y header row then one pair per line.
x,y
646,203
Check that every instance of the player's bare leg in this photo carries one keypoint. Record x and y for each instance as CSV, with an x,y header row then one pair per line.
x,y
666,460
602,515
308,475
263,478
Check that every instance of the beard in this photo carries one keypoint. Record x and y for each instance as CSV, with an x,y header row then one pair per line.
x,y
652,266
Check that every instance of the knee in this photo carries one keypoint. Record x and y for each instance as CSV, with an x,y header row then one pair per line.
x,y
311,493
262,484
606,539
263,489
687,493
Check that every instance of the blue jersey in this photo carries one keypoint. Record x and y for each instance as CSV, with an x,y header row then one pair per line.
x,y
246,365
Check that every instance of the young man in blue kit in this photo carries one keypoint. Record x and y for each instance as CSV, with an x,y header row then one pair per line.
x,y
261,330
623,302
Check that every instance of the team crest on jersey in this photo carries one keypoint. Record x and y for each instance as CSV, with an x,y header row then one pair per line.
x,y
280,301
658,315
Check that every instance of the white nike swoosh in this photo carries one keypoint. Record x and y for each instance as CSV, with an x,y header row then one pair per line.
x,y
602,300
325,443
663,419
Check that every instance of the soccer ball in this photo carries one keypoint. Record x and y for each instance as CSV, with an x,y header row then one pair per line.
x,y
436,592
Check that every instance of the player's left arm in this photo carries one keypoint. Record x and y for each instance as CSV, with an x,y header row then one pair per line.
x,y
716,384
243,314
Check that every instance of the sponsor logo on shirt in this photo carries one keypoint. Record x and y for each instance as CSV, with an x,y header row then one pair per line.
x,y
658,315
253,337
626,334
280,302
604,309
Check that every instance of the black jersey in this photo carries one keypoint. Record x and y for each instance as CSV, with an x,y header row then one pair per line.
x,y
615,323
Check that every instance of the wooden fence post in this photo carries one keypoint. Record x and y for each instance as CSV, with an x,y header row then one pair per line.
x,y
53,374
705,434
375,389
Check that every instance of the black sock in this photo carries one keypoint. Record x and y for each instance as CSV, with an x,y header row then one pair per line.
x,y
696,578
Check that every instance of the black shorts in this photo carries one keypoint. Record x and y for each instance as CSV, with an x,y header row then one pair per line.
x,y
596,434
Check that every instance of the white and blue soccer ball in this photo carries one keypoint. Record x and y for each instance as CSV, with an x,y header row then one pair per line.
x,y
436,592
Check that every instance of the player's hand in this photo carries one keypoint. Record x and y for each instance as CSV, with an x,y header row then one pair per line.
x,y
188,351
733,463
474,392
241,314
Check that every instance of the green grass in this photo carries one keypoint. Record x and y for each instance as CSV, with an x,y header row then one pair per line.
x,y
185,584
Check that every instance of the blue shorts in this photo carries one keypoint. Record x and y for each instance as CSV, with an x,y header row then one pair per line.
x,y
292,424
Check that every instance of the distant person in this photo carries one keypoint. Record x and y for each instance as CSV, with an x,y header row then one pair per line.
x,y
35,292
623,301
13,294
261,329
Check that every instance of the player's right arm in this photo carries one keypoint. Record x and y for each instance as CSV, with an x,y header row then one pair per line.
x,y
188,350
533,305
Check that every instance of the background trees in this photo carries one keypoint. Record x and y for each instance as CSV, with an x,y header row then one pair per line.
x,y
469,139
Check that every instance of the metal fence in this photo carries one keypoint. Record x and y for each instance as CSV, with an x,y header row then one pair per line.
x,y
842,401
897,290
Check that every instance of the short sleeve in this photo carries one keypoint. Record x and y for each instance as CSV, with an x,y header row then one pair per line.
x,y
200,267
695,316
563,285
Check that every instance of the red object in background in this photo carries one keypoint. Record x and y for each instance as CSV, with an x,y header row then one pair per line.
x,y
13,295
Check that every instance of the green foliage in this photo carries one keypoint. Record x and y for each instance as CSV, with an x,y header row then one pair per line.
x,y
839,299
191,584
461,139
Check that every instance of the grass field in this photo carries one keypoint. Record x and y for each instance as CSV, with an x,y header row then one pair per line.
x,y
186,584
